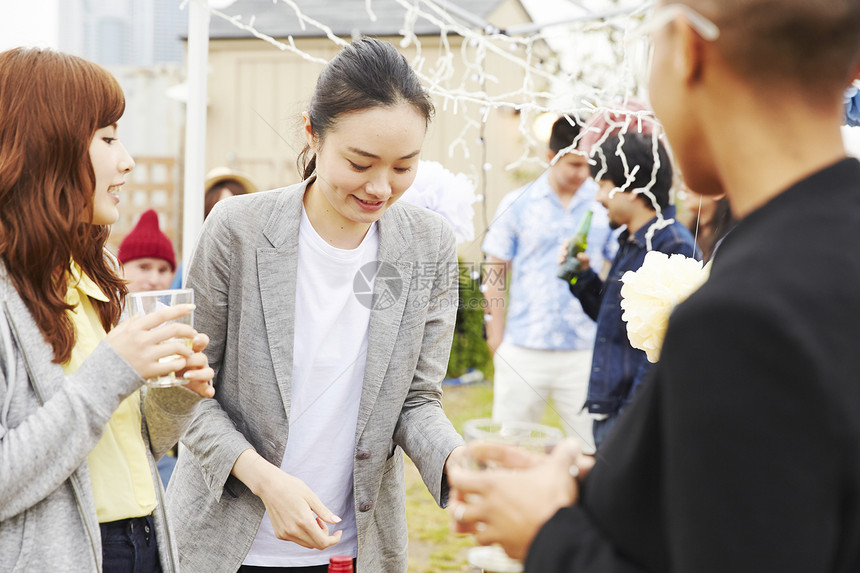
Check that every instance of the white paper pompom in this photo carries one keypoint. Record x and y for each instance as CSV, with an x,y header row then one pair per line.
x,y
650,293
443,192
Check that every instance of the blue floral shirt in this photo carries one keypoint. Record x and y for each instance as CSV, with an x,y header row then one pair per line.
x,y
529,227
852,107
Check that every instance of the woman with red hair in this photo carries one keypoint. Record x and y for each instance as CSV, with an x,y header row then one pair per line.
x,y
78,435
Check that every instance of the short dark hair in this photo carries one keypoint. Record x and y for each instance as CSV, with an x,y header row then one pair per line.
x,y
366,74
213,193
638,150
806,44
563,134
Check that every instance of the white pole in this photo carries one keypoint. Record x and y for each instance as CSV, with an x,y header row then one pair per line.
x,y
195,127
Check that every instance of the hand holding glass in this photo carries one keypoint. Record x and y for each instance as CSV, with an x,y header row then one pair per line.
x,y
143,303
538,440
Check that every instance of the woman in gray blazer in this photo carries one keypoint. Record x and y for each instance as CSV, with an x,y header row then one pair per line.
x,y
331,309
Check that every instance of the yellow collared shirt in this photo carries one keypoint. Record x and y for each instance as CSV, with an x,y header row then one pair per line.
x,y
119,468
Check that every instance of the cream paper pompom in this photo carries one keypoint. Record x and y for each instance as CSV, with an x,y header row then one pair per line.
x,y
650,293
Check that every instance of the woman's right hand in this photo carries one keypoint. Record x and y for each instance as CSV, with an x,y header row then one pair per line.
x,y
296,513
143,345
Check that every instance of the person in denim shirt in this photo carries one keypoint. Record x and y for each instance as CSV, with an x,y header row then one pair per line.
x,y
542,347
617,368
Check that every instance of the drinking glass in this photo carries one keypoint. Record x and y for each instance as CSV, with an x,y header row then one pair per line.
x,y
147,302
538,439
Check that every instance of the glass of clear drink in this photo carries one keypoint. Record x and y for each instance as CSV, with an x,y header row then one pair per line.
x,y
539,439
147,302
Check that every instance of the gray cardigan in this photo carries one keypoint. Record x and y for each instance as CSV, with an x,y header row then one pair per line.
x,y
49,422
244,275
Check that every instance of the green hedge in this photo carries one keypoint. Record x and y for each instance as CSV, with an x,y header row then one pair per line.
x,y
469,348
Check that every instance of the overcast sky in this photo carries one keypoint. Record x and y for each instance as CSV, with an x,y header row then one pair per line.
x,y
28,22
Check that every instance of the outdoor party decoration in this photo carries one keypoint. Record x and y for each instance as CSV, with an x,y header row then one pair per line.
x,y
448,194
650,293
573,60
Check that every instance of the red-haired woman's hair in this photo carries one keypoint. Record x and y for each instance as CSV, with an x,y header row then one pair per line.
x,y
51,105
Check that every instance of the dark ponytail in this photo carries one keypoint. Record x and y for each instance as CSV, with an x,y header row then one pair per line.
x,y
366,74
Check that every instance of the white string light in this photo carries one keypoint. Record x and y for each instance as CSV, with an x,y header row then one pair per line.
x,y
594,83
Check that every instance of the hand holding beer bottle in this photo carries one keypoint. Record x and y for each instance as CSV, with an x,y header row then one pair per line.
x,y
570,269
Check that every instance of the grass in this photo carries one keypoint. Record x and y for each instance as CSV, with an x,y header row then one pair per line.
x,y
432,546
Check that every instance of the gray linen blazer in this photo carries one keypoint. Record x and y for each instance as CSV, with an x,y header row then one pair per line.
x,y
244,275
49,422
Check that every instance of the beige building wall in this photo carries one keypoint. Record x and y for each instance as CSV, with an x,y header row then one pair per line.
x,y
258,92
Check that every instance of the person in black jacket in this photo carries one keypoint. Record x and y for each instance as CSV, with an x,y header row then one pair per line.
x,y
742,452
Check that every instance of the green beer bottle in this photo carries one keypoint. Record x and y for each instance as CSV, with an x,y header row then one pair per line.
x,y
568,271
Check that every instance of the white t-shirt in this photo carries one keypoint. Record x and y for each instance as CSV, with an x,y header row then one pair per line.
x,y
329,357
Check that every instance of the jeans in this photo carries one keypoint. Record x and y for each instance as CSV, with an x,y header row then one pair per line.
x,y
129,546
601,429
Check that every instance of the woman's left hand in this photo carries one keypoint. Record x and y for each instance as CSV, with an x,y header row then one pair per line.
x,y
197,370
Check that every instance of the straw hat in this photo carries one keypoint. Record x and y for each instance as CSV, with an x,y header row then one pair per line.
x,y
219,174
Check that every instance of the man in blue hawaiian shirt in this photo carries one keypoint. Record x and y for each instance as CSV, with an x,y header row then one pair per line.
x,y
852,106
542,345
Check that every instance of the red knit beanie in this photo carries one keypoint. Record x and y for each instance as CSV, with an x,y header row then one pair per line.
x,y
147,241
